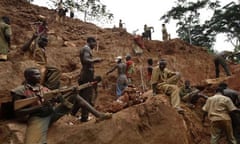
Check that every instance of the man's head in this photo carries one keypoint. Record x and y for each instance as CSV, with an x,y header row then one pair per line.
x,y
150,61
118,59
42,42
32,76
163,25
91,42
162,64
223,85
128,57
6,20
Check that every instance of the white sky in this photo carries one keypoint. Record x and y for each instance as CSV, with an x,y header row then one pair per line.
x,y
136,13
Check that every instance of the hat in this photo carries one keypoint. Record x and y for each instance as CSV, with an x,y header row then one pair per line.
x,y
128,57
118,58
41,17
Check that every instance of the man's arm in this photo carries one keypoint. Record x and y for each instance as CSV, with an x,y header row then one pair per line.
x,y
115,67
205,109
7,34
26,111
39,56
204,116
27,45
87,58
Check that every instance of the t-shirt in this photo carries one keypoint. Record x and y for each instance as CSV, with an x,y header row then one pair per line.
x,y
130,68
218,107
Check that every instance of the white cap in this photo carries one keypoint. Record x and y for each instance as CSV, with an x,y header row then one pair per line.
x,y
118,58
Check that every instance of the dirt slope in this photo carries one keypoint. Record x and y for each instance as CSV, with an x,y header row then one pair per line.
x,y
151,122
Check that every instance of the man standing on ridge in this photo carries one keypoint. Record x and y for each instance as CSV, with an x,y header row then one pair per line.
x,y
148,32
164,33
219,59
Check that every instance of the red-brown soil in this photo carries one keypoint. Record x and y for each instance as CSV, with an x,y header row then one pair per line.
x,y
151,122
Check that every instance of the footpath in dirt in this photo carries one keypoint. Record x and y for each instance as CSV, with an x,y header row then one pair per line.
x,y
153,121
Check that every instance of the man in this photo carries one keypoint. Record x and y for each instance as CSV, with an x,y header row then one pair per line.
x,y
42,112
189,94
40,27
219,59
232,94
37,51
71,12
5,37
148,32
149,71
235,116
122,81
130,68
121,24
87,74
164,33
218,108
61,13
164,80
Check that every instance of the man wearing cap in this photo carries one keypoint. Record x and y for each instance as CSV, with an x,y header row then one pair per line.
x,y
122,80
164,80
5,37
86,75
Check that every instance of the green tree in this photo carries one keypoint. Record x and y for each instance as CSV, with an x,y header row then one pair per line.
x,y
187,15
226,20
93,10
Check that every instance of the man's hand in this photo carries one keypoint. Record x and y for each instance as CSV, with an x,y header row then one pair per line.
x,y
34,36
98,60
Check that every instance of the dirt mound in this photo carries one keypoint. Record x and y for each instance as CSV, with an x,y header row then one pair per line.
x,y
151,122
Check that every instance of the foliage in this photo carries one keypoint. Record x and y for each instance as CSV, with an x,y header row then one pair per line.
x,y
92,9
227,20
224,20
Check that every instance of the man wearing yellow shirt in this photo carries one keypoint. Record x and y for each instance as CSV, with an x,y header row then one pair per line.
x,y
218,108
164,80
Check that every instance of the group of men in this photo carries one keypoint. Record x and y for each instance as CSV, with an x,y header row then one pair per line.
x,y
223,112
61,12
44,78
40,80
148,30
125,72
222,108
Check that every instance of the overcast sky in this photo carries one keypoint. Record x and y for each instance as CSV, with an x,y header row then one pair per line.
x,y
136,13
